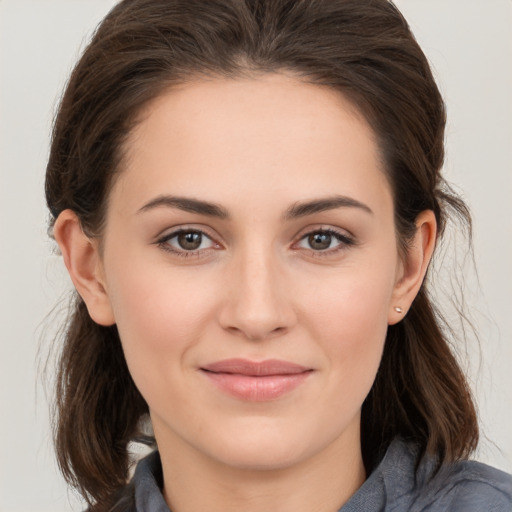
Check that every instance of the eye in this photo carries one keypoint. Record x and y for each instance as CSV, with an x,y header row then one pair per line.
x,y
324,240
186,241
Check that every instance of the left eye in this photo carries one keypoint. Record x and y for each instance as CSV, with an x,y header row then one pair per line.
x,y
189,240
323,240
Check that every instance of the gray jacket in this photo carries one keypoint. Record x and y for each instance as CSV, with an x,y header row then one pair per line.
x,y
393,486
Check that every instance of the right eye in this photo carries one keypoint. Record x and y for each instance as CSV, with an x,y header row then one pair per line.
x,y
186,242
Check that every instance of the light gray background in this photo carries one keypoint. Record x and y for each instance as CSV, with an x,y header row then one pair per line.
x,y
469,43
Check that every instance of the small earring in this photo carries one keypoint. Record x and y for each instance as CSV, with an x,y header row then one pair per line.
x,y
398,309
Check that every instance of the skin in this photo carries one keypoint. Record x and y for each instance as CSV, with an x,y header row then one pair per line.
x,y
255,289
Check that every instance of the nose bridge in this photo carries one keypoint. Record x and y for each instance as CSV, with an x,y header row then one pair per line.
x,y
258,305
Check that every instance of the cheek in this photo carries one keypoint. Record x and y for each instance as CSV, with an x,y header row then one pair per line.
x,y
160,318
350,302
353,341
349,320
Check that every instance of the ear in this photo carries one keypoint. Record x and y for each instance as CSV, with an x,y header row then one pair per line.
x,y
82,259
414,266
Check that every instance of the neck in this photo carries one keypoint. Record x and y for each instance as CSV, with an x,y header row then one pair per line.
x,y
324,482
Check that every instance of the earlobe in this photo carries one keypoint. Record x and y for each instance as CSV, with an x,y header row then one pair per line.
x,y
82,259
414,266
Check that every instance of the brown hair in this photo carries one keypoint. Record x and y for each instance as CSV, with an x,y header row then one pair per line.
x,y
362,48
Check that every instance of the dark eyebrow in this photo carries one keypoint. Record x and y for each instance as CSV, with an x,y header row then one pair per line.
x,y
323,204
187,204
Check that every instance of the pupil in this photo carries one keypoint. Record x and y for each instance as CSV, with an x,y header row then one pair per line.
x,y
190,240
320,241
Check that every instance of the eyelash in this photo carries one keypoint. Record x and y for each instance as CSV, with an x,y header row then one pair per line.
x,y
163,243
344,240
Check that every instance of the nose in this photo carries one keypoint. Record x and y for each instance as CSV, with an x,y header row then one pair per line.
x,y
257,301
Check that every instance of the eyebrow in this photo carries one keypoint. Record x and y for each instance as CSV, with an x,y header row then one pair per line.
x,y
297,210
303,209
187,204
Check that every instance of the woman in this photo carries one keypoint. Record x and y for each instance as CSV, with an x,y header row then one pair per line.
x,y
247,196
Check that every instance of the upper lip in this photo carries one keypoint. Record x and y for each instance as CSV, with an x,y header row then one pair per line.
x,y
255,368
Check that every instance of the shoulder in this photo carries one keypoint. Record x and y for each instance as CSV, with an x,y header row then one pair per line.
x,y
469,486
464,486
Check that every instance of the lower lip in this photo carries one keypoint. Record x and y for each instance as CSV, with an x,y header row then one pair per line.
x,y
257,388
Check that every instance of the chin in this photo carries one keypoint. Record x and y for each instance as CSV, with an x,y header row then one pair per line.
x,y
261,457
263,446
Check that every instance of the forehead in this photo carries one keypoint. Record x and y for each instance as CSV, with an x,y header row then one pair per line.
x,y
250,136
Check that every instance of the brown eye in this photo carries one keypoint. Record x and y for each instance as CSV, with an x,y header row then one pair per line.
x,y
189,240
320,241
326,241
186,242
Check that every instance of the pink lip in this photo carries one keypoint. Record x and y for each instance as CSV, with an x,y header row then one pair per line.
x,y
256,381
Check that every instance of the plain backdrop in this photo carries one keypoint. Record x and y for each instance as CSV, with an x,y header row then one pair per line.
x,y
469,43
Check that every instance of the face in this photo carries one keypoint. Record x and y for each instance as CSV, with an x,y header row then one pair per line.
x,y
251,266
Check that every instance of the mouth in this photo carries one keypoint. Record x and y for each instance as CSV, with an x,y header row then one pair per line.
x,y
256,381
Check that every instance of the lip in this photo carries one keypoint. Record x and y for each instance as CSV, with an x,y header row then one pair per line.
x,y
256,381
